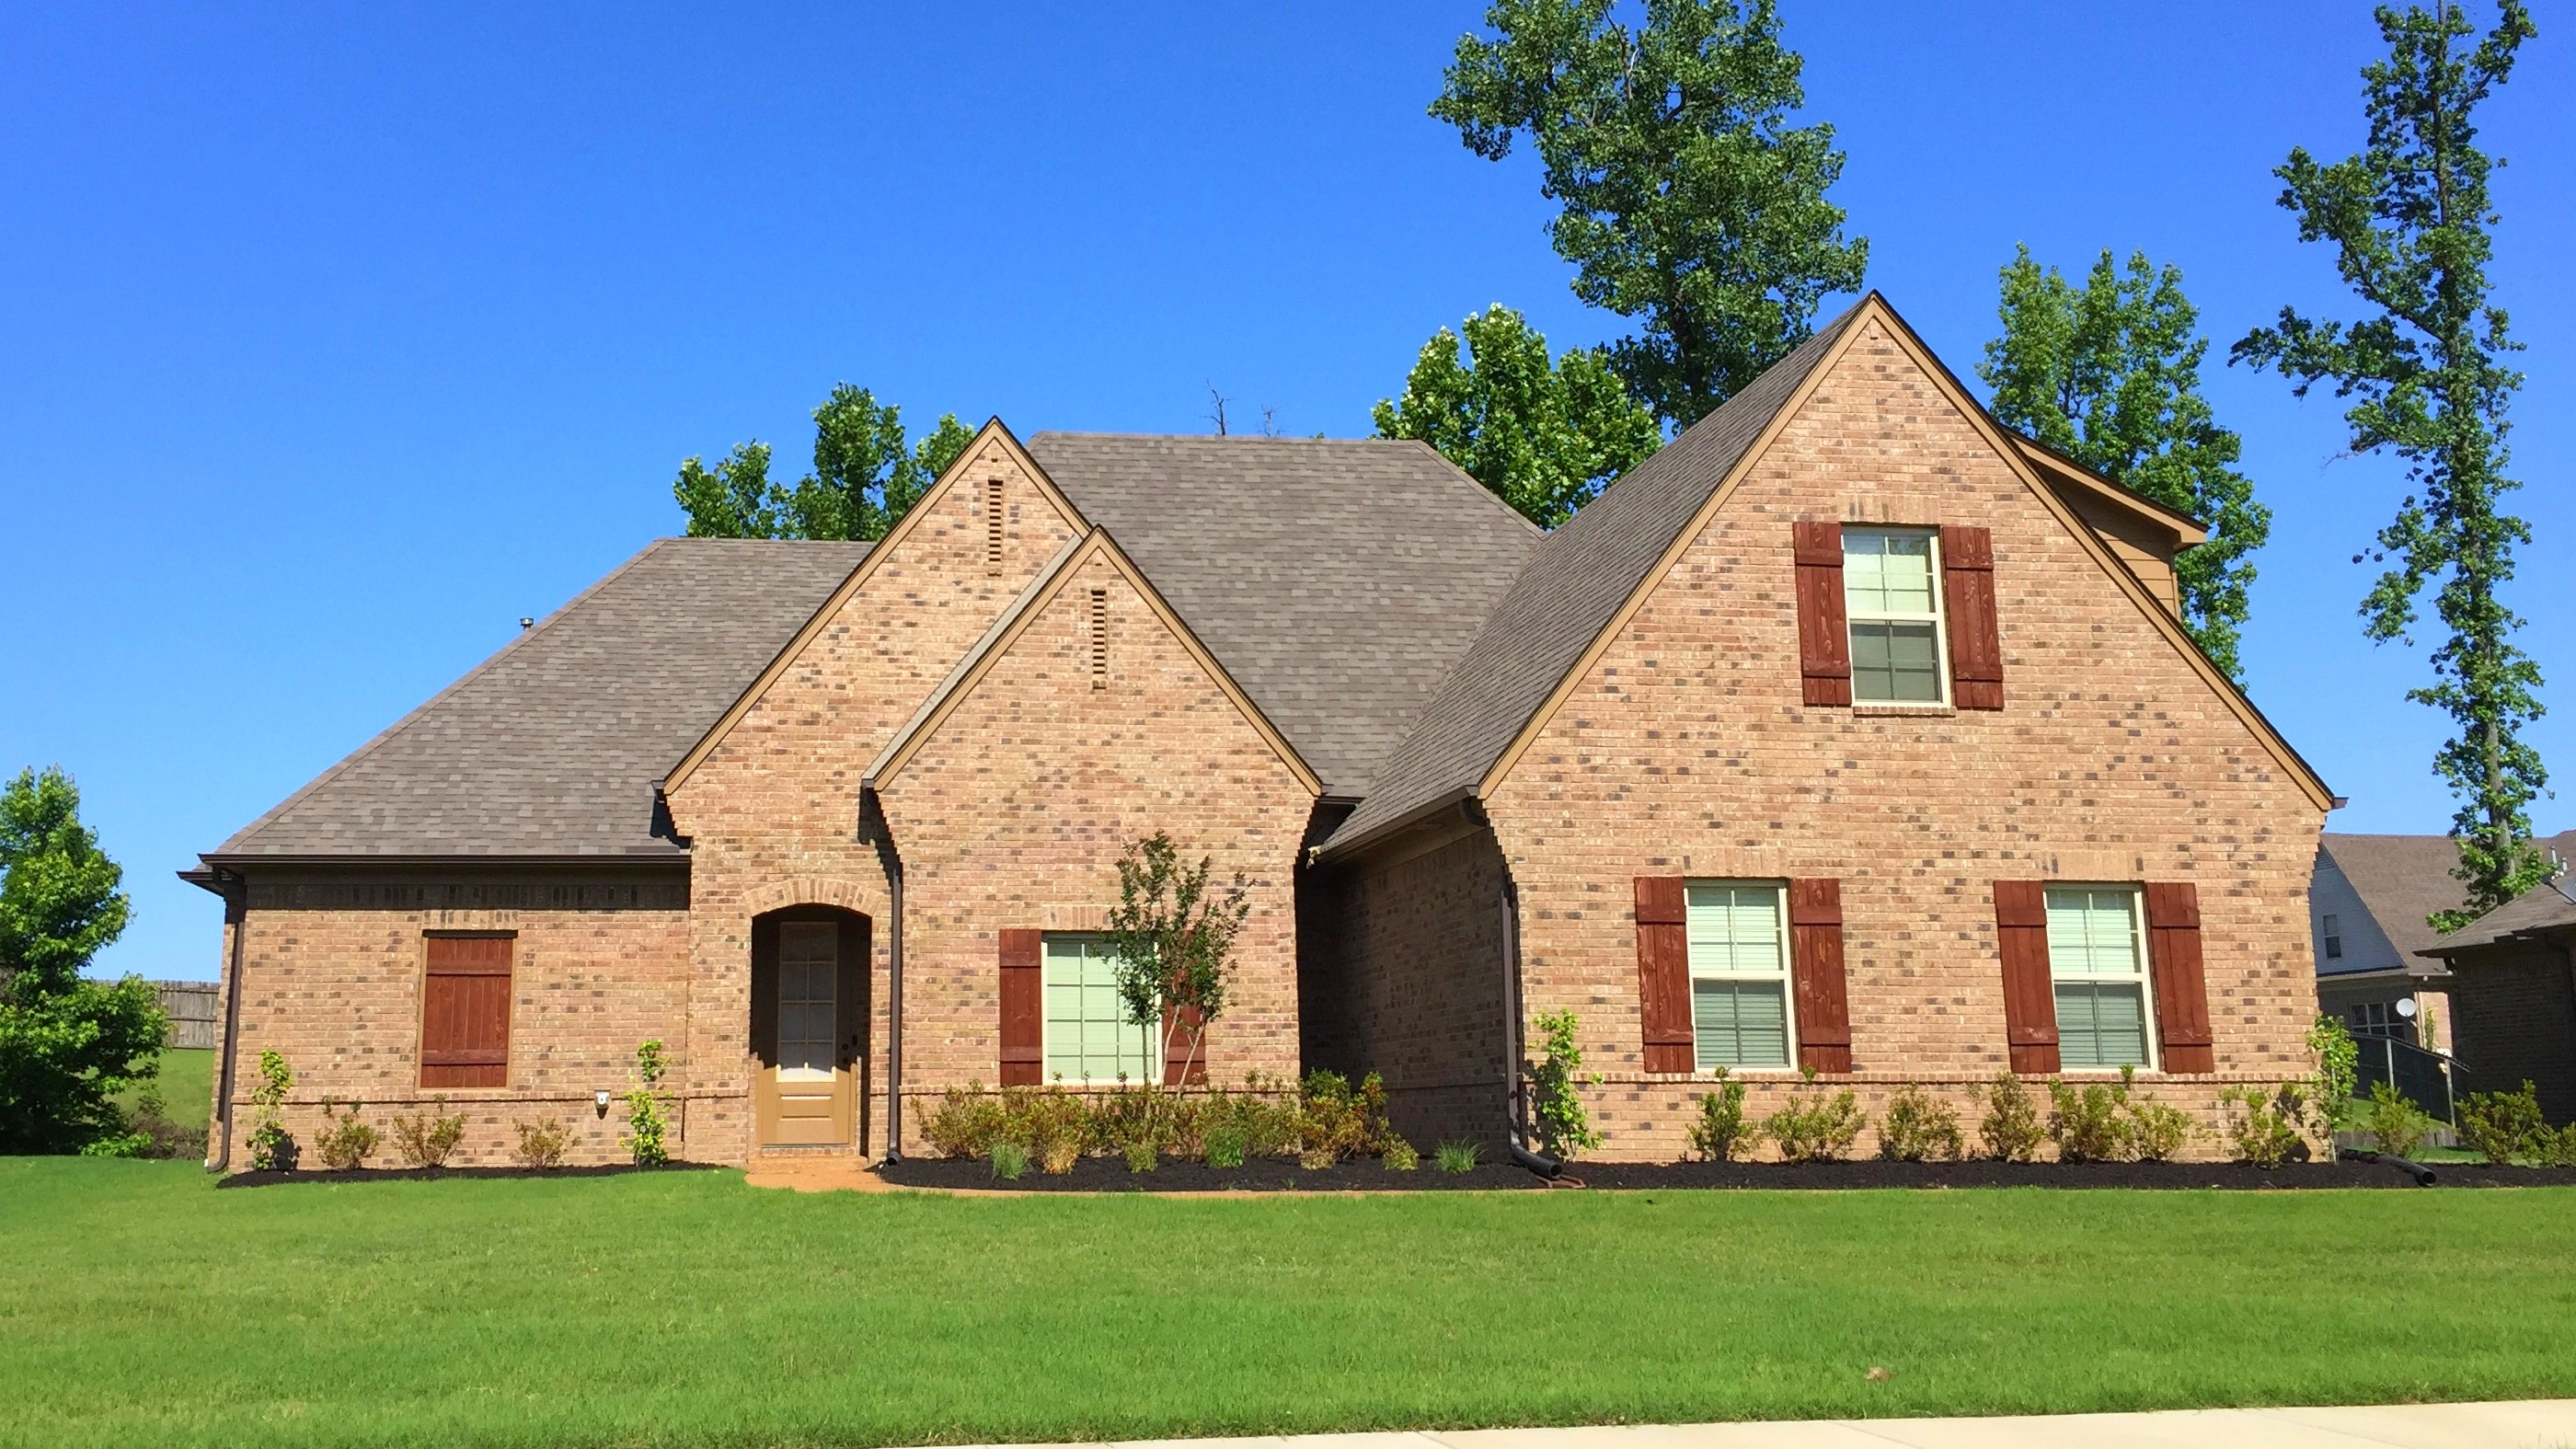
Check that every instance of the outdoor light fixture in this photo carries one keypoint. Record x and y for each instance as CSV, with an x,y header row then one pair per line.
x,y
599,1099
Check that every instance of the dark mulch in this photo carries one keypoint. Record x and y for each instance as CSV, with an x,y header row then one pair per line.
x,y
1108,1174
434,1174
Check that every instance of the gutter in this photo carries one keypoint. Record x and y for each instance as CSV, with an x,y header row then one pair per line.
x,y
235,889
1515,1098
874,828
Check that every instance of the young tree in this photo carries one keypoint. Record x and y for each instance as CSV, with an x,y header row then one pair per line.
x,y
1173,942
866,476
1545,437
2108,373
2412,227
1690,201
67,1044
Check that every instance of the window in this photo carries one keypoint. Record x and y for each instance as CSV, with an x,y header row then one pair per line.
x,y
1892,595
1739,966
465,1012
2332,930
1088,1035
809,970
2098,972
2379,1018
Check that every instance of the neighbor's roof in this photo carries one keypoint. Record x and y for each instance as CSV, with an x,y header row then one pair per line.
x,y
2403,879
551,747
1572,586
1337,580
2548,906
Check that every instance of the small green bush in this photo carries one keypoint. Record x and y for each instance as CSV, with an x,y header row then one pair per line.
x,y
272,1148
426,1140
1457,1156
1721,1134
1051,1125
2264,1126
2396,1125
967,1122
1816,1128
1399,1155
645,1123
2157,1132
2011,1130
347,1143
1335,1120
1009,1159
2556,1149
156,1135
1564,1127
2089,1123
542,1141
1142,1156
1919,1128
2502,1126
1138,1123
1225,1146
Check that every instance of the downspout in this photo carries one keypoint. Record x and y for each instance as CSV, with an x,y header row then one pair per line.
x,y
1515,1096
873,827
236,894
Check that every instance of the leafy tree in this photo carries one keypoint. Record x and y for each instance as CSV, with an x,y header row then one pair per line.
x,y
866,476
2108,373
1173,941
1690,200
2412,227
67,1044
1545,437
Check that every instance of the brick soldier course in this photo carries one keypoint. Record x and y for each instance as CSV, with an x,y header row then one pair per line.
x,y
1462,766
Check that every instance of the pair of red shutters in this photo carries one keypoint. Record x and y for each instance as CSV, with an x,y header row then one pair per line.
x,y
1967,598
1024,1021
1824,1008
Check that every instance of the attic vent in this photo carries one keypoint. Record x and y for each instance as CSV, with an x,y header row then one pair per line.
x,y
993,524
1100,638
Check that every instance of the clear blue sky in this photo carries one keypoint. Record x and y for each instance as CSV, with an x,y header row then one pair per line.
x,y
334,341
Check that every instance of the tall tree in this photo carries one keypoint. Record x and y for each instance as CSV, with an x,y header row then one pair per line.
x,y
1691,202
1546,437
866,476
2413,230
2108,373
67,1044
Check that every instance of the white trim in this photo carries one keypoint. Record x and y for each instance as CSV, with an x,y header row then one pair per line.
x,y
2143,976
1785,976
1936,618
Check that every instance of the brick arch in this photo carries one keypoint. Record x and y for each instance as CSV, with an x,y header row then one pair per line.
x,y
849,895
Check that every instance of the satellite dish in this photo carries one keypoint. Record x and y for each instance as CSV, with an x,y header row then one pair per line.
x,y
2406,1007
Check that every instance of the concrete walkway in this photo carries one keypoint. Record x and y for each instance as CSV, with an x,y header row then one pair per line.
x,y
2531,1424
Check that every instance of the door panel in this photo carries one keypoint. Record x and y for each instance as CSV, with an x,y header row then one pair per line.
x,y
805,1078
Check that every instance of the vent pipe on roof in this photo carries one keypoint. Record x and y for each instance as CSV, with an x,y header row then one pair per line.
x,y
526,623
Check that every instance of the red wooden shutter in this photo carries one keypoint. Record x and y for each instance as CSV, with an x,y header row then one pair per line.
x,y
1023,1023
465,1012
1816,964
1663,975
1178,1056
1976,642
2182,992
1824,639
2030,1004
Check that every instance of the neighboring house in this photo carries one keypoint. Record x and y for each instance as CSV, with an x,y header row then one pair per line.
x,y
2368,913
1849,732
2513,993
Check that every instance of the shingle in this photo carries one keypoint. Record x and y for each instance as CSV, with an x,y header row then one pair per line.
x,y
2548,906
1568,591
2404,878
552,746
1337,580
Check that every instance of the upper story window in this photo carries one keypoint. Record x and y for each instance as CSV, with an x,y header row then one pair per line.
x,y
1088,1035
2332,930
1892,596
1739,966
2099,973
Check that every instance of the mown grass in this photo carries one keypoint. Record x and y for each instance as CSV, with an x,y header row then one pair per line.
x,y
141,1306
187,1083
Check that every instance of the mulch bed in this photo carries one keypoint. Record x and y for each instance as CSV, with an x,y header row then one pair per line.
x,y
1107,1174
434,1174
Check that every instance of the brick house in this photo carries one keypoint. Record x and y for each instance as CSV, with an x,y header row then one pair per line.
x,y
1850,731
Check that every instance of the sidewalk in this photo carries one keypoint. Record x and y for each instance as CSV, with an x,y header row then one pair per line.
x,y
2531,1424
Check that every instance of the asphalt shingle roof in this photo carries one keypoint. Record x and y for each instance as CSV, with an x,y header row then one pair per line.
x,y
2548,906
552,746
2405,878
1568,591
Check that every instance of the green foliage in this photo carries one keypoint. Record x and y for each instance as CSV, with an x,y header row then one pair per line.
x,y
1140,1123
2088,1123
645,1122
1399,1156
1173,941
152,1133
2264,1127
2158,1132
2338,1078
429,1140
68,1044
866,476
1010,1160
1690,202
2396,1125
1564,1127
1225,1145
1814,1127
1052,1124
347,1143
968,1121
1457,1157
272,1149
2412,227
2108,373
1721,1133
1546,438
2011,1130
2555,1149
2503,1126
542,1141
1920,1127
1337,1120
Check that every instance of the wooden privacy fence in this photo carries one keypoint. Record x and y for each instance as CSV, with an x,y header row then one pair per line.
x,y
191,1005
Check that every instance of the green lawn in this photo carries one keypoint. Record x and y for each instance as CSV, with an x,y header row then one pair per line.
x,y
141,1306
187,1083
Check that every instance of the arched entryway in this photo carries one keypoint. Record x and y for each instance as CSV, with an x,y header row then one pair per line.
x,y
809,1014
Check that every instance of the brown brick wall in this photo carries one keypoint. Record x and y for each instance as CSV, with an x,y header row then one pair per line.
x,y
2515,1020
1687,751
1015,810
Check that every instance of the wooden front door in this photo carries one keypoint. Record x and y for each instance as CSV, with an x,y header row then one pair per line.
x,y
808,974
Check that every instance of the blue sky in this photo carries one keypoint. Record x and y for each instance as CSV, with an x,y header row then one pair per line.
x,y
334,341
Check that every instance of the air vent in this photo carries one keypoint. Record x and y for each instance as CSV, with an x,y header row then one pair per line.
x,y
993,524
1100,638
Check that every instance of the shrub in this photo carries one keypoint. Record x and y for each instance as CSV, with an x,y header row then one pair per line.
x,y
644,1121
2556,1149
1010,1159
1138,1123
347,1142
1816,1128
156,1135
272,1149
1334,1120
427,1141
967,1123
1721,1133
2011,1129
2264,1127
1564,1127
2501,1126
1142,1156
1225,1146
1257,1123
1399,1155
2396,1125
2088,1123
2158,1132
542,1141
1051,1125
1457,1156
2338,1072
1919,1128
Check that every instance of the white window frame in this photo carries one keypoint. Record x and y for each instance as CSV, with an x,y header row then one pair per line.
x,y
1046,1023
2145,976
1936,618
1786,975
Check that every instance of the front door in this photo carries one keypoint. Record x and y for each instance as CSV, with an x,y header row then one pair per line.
x,y
805,975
